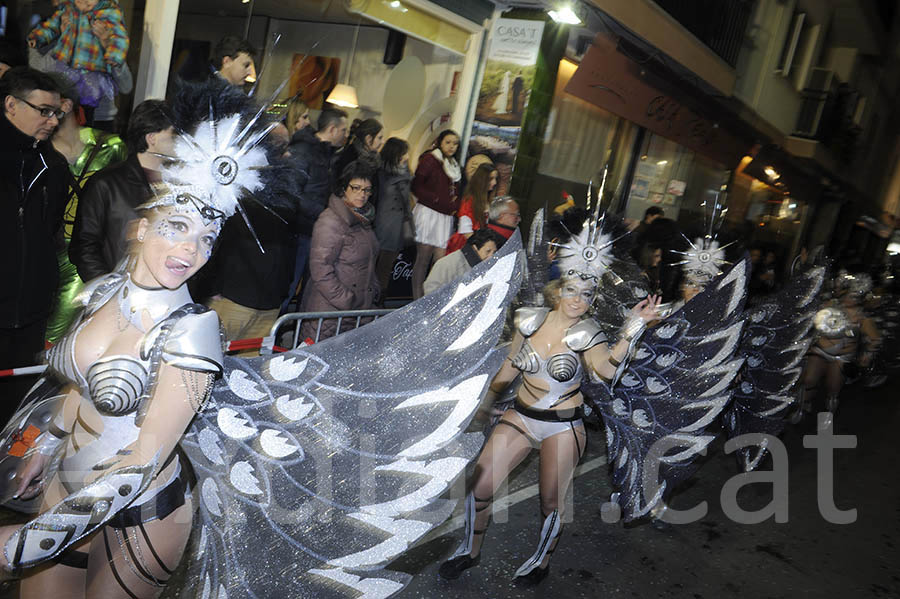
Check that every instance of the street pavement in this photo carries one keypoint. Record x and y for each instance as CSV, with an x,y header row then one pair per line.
x,y
714,557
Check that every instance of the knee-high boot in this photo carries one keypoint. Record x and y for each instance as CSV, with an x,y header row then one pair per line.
x,y
476,514
550,532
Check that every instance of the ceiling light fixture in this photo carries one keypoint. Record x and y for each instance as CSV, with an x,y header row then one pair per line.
x,y
564,15
395,4
344,94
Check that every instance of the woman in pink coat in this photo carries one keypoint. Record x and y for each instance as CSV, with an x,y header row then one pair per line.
x,y
342,255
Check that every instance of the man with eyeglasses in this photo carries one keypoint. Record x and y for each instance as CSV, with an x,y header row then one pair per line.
x,y
33,182
504,216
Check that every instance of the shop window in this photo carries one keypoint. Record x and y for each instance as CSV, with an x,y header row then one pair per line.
x,y
675,179
774,219
579,140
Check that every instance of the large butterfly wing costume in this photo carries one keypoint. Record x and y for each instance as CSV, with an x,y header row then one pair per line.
x,y
676,385
317,467
777,334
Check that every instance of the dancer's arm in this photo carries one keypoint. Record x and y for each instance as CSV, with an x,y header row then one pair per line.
x,y
605,360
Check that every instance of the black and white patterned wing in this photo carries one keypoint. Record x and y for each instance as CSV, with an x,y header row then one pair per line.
x,y
620,288
317,467
674,388
777,333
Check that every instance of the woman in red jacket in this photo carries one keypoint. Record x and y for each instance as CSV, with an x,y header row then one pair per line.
x,y
436,187
474,206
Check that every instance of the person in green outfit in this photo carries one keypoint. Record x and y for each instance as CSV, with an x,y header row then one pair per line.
x,y
87,150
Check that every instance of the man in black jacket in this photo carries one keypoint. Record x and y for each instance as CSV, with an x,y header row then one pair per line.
x,y
310,154
250,285
33,180
99,237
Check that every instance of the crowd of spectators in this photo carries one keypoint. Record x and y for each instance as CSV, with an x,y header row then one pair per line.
x,y
355,205
72,187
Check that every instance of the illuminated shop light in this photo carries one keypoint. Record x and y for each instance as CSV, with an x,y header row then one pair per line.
x,y
564,15
395,5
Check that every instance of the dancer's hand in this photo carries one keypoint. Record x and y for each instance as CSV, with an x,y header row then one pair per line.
x,y
31,477
646,309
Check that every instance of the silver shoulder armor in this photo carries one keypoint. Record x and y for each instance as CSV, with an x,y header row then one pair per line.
x,y
195,343
584,335
97,292
529,319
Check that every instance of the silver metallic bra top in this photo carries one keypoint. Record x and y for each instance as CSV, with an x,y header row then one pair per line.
x,y
564,366
187,336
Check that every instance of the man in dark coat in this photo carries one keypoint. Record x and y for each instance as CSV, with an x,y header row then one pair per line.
x,y
33,182
233,59
107,207
311,153
249,285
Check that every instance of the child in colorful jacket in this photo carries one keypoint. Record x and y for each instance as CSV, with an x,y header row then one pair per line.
x,y
78,51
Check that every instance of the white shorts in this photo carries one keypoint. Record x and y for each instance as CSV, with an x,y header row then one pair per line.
x,y
539,430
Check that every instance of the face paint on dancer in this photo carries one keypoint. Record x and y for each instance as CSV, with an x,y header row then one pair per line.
x,y
175,243
576,296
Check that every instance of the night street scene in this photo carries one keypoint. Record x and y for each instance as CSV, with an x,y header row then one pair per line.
x,y
362,299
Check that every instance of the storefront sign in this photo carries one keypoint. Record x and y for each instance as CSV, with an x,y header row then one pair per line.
x,y
508,76
614,82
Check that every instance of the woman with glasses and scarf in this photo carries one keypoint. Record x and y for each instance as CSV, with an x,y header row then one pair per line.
x,y
344,252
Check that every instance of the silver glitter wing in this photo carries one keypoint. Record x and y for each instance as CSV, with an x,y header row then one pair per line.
x,y
679,381
538,265
317,467
777,333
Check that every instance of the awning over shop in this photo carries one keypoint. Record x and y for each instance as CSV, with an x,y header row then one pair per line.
x,y
415,22
610,79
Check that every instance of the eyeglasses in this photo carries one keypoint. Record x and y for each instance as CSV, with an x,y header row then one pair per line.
x,y
360,188
46,112
515,215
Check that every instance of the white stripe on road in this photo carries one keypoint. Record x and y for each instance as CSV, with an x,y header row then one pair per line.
x,y
505,502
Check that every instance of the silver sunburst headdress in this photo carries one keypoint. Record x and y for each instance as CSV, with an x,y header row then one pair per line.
x,y
219,163
219,155
704,260
589,254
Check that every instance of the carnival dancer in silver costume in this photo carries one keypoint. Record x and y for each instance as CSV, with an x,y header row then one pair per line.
x,y
310,470
658,418
844,335
553,348
116,508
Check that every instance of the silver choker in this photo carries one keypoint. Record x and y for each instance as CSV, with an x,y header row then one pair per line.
x,y
159,302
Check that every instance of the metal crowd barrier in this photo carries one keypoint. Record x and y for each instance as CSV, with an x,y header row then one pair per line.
x,y
297,318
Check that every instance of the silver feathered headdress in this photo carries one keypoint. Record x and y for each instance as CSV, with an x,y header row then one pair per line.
x,y
704,260
214,166
589,254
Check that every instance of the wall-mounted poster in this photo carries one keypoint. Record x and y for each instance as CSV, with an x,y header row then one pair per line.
x,y
316,76
508,77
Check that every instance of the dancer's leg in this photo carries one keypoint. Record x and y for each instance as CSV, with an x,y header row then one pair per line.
x,y
559,457
834,382
507,446
137,561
